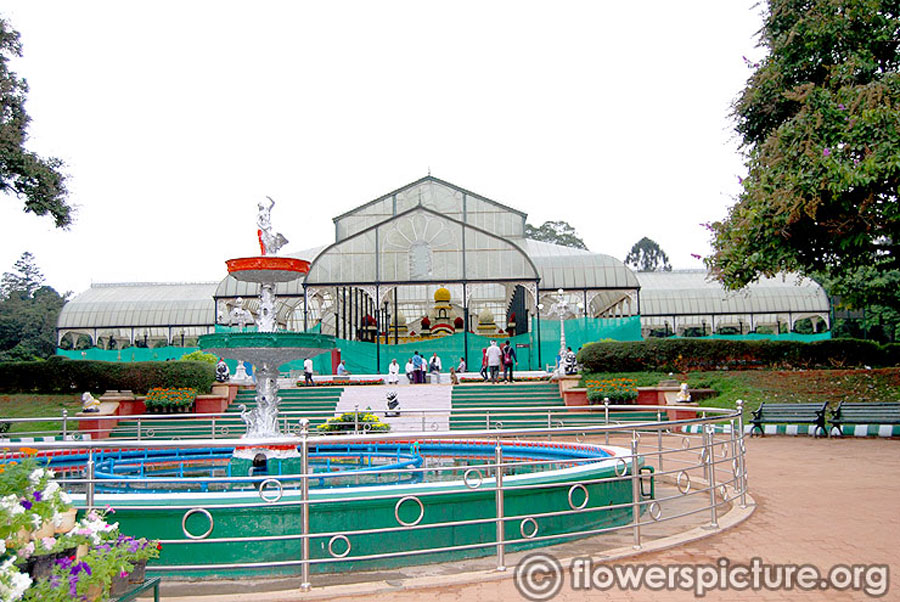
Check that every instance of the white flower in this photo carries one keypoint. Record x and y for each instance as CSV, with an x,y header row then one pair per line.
x,y
52,487
8,502
2,546
36,475
37,521
65,498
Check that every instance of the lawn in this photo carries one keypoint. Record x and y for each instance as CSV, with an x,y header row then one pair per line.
x,y
22,405
780,386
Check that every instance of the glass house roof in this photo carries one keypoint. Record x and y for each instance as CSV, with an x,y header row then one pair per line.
x,y
141,304
694,292
577,269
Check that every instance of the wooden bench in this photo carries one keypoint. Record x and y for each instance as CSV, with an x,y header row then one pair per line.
x,y
865,413
790,413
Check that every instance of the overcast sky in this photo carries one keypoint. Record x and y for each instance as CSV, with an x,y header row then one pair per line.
x,y
175,118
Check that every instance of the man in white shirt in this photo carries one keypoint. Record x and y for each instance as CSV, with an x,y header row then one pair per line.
x,y
393,373
308,372
410,368
434,367
494,356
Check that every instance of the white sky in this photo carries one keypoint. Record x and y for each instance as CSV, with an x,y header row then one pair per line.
x,y
176,118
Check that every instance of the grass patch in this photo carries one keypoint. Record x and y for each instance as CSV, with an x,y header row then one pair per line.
x,y
27,405
780,386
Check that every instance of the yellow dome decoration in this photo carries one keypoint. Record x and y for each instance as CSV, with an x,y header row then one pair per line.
x,y
442,295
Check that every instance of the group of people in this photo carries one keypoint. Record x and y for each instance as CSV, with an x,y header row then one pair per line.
x,y
417,367
493,358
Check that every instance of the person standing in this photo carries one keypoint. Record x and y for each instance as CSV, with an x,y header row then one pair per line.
x,y
418,368
484,364
509,359
393,373
434,368
308,372
461,367
494,358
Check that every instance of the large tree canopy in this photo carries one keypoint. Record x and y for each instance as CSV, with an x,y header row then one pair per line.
x,y
819,120
560,233
36,180
28,313
646,256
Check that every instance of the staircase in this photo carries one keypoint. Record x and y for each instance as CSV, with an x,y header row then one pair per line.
x,y
483,406
315,403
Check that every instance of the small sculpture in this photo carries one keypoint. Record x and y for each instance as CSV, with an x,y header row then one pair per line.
x,y
684,395
89,404
269,243
393,405
240,315
240,373
222,372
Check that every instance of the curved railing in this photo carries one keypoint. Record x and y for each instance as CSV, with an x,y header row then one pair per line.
x,y
660,474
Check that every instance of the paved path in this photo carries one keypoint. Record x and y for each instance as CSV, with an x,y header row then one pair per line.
x,y
822,502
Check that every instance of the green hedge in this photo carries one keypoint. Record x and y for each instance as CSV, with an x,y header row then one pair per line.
x,y
59,375
678,355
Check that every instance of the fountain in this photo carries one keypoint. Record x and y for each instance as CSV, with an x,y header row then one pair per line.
x,y
266,348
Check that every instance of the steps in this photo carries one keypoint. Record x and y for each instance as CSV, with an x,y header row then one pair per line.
x,y
315,403
483,406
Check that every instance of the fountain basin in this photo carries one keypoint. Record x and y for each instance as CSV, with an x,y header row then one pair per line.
x,y
270,348
267,268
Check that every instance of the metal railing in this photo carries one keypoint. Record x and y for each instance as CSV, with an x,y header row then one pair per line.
x,y
690,476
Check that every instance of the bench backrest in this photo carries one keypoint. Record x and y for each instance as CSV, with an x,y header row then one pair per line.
x,y
786,412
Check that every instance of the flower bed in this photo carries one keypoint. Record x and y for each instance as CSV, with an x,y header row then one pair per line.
x,y
616,390
348,421
346,383
46,556
170,401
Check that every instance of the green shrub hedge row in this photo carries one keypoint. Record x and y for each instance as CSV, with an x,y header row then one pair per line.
x,y
59,375
677,355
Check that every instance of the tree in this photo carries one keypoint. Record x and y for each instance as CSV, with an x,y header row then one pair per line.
x,y
28,313
559,233
819,121
23,173
646,256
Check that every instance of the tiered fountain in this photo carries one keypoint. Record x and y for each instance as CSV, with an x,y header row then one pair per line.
x,y
266,348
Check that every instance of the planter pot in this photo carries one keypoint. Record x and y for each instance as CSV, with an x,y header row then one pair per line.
x,y
46,530
94,592
39,566
67,522
136,576
81,551
119,586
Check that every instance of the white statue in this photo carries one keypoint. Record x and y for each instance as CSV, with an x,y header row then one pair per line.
x,y
684,395
89,404
240,374
269,242
240,315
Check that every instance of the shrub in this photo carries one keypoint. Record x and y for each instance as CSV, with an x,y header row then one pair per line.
x,y
69,376
679,355
199,356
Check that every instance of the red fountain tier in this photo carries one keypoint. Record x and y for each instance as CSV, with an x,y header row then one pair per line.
x,y
268,268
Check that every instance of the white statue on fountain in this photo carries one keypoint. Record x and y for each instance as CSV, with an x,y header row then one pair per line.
x,y
240,315
269,242
561,307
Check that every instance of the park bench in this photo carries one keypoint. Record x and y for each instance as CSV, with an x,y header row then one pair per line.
x,y
865,413
790,413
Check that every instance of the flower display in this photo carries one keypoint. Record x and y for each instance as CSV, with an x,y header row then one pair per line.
x,y
81,560
617,390
170,399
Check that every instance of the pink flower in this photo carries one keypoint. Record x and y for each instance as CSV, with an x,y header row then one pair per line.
x,y
826,152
